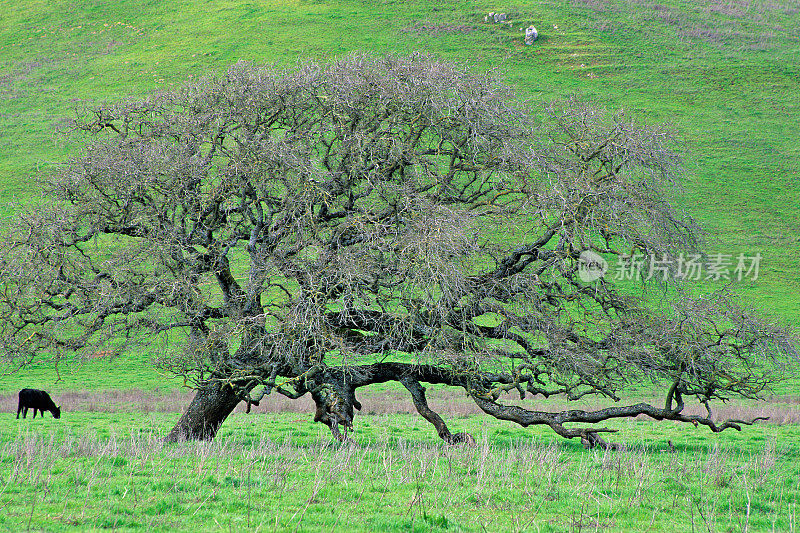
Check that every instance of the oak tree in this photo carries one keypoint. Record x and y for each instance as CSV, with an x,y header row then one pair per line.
x,y
328,227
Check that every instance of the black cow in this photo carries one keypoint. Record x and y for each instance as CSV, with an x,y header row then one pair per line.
x,y
38,400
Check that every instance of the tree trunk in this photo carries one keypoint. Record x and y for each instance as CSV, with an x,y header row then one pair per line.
x,y
208,410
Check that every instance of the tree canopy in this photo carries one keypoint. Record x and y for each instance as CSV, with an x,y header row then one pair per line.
x,y
324,228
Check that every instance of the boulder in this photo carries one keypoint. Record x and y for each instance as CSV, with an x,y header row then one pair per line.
x,y
530,34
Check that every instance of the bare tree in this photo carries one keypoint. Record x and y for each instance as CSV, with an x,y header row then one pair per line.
x,y
329,227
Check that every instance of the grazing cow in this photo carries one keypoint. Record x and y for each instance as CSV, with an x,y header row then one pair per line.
x,y
38,400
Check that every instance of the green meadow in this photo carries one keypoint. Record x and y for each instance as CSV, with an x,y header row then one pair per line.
x,y
724,74
103,471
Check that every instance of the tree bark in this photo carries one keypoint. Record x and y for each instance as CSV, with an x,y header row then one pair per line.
x,y
208,410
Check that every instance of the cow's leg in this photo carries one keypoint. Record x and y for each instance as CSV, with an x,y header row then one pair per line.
x,y
19,408
25,412
35,410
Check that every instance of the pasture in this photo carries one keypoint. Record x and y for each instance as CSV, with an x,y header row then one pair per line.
x,y
108,469
723,73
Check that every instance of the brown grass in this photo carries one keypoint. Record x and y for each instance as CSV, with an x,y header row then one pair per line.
x,y
450,403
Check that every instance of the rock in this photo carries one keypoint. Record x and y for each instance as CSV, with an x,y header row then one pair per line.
x,y
530,34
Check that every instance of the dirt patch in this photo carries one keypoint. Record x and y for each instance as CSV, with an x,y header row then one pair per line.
x,y
427,28
599,6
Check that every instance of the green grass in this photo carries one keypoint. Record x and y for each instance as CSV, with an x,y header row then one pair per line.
x,y
128,372
92,471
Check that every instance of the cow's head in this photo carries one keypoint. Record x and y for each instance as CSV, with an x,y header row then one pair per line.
x,y
57,412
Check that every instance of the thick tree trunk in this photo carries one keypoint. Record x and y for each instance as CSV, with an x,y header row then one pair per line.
x,y
208,410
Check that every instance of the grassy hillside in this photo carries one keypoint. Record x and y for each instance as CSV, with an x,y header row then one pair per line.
x,y
725,74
